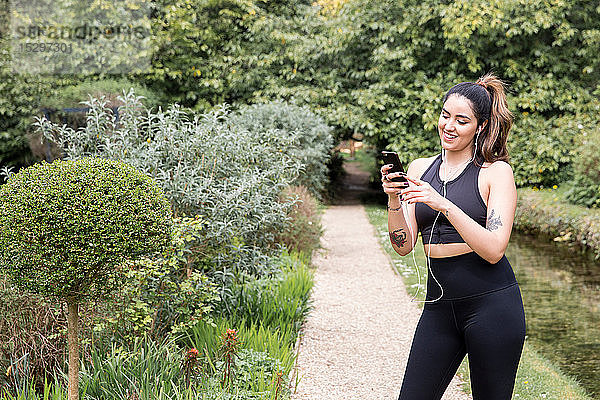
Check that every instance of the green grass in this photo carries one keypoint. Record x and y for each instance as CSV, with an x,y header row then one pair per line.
x,y
403,266
537,378
557,196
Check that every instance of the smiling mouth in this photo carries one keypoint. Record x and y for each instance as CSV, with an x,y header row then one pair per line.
x,y
449,136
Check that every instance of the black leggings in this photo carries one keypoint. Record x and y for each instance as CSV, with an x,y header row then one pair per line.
x,y
490,328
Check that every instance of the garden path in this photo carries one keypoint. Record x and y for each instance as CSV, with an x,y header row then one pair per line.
x,y
356,340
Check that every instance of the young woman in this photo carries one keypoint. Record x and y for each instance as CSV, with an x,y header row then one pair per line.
x,y
463,202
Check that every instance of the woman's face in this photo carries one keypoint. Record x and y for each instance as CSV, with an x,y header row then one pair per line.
x,y
457,124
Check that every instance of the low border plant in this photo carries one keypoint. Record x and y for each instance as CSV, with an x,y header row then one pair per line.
x,y
543,211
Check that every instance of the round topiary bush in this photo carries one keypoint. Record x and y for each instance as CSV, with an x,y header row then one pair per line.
x,y
65,227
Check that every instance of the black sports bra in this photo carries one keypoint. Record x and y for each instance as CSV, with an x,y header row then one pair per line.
x,y
462,191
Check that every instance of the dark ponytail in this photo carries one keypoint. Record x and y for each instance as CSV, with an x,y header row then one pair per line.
x,y
493,143
488,101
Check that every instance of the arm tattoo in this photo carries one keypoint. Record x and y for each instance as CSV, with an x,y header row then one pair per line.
x,y
493,222
398,237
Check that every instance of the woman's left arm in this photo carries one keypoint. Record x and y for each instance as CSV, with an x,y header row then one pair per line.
x,y
489,242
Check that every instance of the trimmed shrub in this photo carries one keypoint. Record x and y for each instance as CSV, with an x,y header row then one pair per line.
x,y
66,225
65,228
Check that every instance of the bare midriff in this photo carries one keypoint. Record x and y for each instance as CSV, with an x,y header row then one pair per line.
x,y
446,249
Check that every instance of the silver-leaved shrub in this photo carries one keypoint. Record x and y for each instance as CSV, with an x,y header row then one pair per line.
x,y
230,170
310,138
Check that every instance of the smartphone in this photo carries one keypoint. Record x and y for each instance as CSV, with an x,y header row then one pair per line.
x,y
390,157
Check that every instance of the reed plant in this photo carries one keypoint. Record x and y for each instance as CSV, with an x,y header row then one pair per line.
x,y
52,390
281,300
147,371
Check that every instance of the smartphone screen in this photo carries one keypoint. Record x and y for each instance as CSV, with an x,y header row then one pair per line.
x,y
390,157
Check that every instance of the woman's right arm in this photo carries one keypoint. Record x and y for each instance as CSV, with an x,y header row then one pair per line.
x,y
402,228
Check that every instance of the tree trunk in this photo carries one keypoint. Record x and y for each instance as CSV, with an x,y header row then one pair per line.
x,y
73,343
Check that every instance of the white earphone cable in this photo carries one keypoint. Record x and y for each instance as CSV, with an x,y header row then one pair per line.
x,y
428,260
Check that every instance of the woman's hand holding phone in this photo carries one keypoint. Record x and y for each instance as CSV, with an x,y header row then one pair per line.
x,y
393,176
390,187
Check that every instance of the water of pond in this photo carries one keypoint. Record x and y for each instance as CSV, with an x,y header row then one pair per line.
x,y
561,293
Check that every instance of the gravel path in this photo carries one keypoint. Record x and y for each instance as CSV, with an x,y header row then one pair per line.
x,y
355,342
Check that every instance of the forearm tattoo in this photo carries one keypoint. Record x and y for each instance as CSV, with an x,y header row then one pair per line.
x,y
398,237
493,222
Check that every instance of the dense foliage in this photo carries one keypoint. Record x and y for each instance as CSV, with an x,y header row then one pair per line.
x,y
191,364
221,171
403,56
308,138
159,295
585,186
373,69
210,164
169,294
380,69
304,231
74,96
65,227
